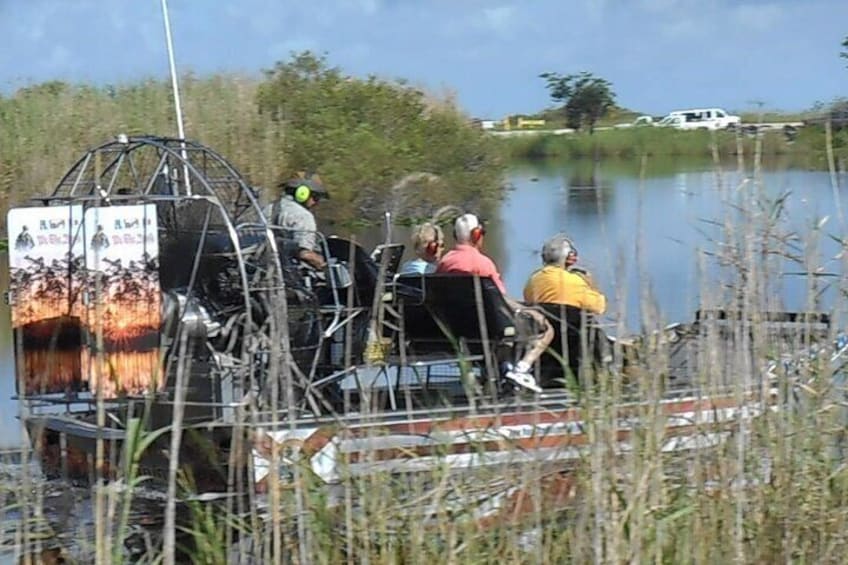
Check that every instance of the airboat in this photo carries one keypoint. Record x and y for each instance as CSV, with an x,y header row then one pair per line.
x,y
151,290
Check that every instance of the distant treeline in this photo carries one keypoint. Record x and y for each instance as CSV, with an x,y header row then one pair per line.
x,y
361,135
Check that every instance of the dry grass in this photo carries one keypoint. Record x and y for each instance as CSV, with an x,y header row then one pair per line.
x,y
46,129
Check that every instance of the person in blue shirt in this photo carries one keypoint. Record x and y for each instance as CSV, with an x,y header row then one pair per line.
x,y
428,241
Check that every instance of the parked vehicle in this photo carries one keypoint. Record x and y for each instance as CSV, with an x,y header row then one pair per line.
x,y
701,118
640,121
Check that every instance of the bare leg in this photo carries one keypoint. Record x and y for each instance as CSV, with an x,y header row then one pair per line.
x,y
538,344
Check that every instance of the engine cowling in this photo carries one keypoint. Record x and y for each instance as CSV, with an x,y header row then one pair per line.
x,y
181,313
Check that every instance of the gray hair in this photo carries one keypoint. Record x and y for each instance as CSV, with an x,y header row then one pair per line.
x,y
556,250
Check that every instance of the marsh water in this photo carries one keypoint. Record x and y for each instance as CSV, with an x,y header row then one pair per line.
x,y
640,237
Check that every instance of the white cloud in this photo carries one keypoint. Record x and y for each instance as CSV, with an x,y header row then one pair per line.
x,y
59,59
758,17
684,19
658,6
494,22
499,19
683,27
369,6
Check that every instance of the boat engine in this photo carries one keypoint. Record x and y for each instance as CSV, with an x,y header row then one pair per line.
x,y
189,316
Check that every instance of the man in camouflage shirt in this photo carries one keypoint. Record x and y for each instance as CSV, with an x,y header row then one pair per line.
x,y
293,212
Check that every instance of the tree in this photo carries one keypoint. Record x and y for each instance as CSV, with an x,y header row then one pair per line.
x,y
365,134
844,54
585,97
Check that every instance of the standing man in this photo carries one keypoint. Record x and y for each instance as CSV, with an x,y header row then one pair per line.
x,y
467,258
294,213
559,282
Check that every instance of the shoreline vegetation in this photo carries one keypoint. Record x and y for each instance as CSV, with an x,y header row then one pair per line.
x,y
362,135
806,150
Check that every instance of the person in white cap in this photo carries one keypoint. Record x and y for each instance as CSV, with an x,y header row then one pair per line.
x,y
467,257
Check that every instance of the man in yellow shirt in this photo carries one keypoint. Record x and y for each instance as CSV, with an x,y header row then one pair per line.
x,y
556,283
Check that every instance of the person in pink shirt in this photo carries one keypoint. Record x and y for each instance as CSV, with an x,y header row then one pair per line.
x,y
467,258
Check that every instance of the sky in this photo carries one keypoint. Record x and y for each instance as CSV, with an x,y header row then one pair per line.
x,y
660,55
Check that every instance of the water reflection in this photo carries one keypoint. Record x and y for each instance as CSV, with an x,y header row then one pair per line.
x,y
644,238
588,191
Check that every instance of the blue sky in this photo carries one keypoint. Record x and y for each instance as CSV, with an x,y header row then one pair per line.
x,y
659,54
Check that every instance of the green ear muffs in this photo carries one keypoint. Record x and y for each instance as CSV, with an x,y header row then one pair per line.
x,y
302,193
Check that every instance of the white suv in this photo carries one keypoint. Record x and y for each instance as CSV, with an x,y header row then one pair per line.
x,y
702,118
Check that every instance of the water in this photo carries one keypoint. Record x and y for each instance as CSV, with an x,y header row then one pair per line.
x,y
607,211
10,431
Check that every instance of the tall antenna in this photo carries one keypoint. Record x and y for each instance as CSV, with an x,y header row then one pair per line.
x,y
175,87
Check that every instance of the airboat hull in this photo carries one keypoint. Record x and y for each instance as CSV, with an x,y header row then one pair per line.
x,y
67,449
550,431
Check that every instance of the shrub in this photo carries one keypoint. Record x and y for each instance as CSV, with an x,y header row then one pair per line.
x,y
364,135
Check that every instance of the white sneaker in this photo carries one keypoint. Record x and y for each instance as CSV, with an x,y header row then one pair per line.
x,y
523,379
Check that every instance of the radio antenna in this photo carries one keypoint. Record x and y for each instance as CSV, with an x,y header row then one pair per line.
x,y
175,88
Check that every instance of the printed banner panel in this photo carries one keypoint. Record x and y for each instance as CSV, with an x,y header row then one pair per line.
x,y
46,264
122,261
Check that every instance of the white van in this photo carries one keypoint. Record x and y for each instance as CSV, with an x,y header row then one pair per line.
x,y
701,118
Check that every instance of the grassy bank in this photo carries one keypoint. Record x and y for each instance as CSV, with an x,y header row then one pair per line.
x,y
806,150
363,136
